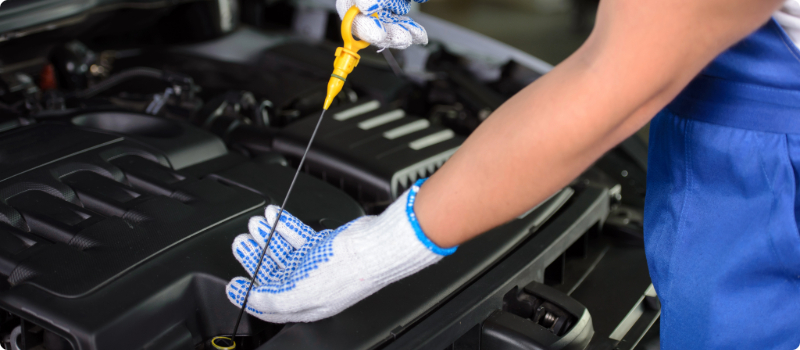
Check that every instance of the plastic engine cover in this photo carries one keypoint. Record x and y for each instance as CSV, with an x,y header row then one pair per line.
x,y
104,242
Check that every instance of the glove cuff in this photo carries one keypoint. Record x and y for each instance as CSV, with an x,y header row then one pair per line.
x,y
412,219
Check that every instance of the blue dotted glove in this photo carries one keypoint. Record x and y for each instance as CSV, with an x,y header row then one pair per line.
x,y
392,29
309,275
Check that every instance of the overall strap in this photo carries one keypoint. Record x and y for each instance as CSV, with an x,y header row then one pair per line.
x,y
754,85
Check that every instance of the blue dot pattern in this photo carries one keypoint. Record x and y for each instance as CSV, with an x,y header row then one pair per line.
x,y
379,23
291,222
400,7
248,253
393,12
237,290
285,265
403,21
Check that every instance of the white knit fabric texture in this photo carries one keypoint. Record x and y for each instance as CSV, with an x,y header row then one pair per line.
x,y
789,18
392,29
310,275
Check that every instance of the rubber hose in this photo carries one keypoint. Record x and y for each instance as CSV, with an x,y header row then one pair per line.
x,y
116,79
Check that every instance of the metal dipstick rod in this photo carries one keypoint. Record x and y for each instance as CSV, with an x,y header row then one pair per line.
x,y
275,225
387,55
347,59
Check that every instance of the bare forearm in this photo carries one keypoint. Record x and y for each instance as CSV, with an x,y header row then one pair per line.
x,y
531,147
550,132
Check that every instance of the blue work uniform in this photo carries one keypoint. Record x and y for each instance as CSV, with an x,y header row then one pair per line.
x,y
721,213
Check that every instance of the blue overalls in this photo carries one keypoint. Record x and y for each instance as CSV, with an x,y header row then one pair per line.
x,y
721,214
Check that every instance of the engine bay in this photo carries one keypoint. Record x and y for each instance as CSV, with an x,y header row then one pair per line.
x,y
136,142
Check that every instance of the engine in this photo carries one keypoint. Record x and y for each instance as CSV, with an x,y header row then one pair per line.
x,y
132,154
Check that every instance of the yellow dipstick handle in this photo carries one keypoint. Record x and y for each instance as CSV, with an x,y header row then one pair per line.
x,y
346,57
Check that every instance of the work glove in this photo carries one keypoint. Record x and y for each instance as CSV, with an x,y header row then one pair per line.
x,y
309,275
391,29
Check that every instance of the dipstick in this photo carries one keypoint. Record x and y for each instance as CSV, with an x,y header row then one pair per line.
x,y
387,54
272,231
346,57
346,60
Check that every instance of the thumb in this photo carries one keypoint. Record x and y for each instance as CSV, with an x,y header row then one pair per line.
x,y
369,29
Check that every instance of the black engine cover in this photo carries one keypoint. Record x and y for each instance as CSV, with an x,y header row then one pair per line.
x,y
115,233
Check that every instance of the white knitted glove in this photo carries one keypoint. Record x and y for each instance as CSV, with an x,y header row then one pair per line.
x,y
310,275
392,29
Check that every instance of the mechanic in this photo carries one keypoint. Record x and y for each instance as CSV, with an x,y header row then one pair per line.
x,y
721,232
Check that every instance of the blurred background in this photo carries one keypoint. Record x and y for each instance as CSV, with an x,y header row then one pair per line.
x,y
548,29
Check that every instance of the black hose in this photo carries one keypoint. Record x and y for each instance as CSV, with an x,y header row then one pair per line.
x,y
116,79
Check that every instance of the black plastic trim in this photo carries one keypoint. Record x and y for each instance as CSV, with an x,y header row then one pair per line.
x,y
473,305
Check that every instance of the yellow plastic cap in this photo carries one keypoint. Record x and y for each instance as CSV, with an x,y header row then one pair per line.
x,y
346,57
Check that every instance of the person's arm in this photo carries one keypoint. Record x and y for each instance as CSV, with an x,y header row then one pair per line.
x,y
640,55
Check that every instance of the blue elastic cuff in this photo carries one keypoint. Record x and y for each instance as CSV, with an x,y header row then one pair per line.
x,y
412,218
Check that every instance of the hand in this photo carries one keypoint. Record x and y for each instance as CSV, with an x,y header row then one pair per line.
x,y
392,29
309,275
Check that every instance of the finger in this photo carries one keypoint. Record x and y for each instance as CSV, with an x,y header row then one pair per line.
x,y
290,228
342,6
279,249
247,251
419,36
369,29
280,252
397,37
259,228
400,7
269,299
236,291
294,231
260,303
